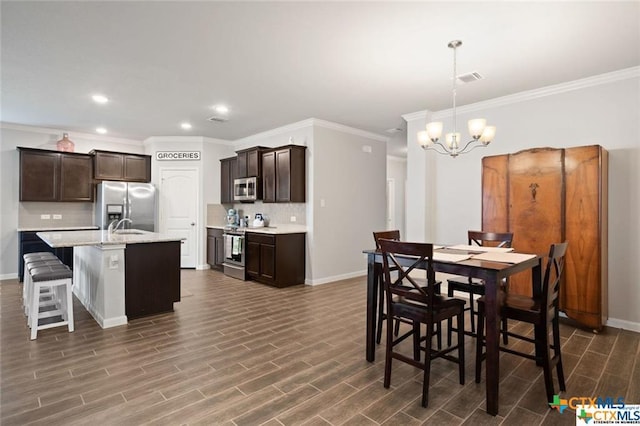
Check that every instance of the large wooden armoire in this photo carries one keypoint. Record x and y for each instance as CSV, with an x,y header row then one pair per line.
x,y
548,195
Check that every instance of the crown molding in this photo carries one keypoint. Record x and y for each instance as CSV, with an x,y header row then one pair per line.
x,y
346,129
274,132
416,115
610,77
79,135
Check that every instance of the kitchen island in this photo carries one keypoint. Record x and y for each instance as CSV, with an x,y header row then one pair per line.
x,y
122,275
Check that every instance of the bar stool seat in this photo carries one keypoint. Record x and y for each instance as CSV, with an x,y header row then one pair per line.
x,y
59,279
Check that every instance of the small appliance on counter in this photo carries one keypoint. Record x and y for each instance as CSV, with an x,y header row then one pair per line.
x,y
258,222
232,218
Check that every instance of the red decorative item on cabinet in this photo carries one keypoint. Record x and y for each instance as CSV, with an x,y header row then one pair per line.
x,y
64,144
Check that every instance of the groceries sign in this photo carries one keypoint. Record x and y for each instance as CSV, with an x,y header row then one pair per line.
x,y
178,155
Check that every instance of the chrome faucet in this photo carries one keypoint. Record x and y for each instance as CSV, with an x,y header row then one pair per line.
x,y
112,228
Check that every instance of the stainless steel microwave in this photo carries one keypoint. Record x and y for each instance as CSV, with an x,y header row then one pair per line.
x,y
247,189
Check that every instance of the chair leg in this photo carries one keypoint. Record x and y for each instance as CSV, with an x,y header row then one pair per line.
x,y
505,336
473,313
416,340
479,342
388,349
461,346
558,354
439,334
546,364
427,367
450,320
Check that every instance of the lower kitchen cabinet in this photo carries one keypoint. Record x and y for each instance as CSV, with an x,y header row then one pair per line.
x,y
215,248
31,243
277,260
152,278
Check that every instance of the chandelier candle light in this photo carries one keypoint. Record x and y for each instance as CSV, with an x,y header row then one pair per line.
x,y
478,129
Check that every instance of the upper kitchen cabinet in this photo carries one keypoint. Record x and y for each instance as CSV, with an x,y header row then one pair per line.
x,y
228,173
249,162
284,175
55,176
121,166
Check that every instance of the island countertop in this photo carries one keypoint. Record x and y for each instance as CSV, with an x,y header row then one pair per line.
x,y
100,237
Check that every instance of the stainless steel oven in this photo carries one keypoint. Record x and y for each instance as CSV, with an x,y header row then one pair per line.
x,y
234,253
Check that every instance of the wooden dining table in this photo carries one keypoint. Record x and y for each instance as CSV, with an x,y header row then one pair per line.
x,y
491,272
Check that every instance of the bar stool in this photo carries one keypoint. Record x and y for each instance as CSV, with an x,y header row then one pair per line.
x,y
27,285
59,280
28,258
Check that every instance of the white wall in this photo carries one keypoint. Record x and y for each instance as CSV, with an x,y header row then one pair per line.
x,y
604,110
212,150
397,170
12,136
352,184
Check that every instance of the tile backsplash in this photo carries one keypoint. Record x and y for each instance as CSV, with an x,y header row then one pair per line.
x,y
274,213
72,214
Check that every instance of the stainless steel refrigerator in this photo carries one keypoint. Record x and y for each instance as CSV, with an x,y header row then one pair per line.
x,y
119,200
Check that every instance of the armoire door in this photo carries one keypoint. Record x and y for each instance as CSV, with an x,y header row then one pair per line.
x,y
535,206
583,293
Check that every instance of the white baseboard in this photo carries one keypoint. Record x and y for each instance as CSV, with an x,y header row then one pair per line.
x,y
623,324
8,276
335,278
202,267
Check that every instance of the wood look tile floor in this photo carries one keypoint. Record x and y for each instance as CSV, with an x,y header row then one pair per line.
x,y
241,353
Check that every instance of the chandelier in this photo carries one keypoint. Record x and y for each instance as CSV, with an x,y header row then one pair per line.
x,y
481,134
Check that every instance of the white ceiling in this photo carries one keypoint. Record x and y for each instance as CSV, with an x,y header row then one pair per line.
x,y
274,63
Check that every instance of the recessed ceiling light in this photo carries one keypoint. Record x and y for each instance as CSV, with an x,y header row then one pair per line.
x,y
221,109
101,130
185,125
100,99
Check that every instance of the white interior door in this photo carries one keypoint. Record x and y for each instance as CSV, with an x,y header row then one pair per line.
x,y
179,210
391,204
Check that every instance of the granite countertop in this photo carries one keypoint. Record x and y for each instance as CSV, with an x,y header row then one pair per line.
x,y
56,228
276,229
97,237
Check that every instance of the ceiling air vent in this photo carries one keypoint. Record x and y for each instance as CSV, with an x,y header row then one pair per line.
x,y
470,77
218,118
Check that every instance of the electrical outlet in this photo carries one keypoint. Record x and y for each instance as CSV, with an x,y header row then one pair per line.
x,y
45,216
293,219
113,261
322,202
57,216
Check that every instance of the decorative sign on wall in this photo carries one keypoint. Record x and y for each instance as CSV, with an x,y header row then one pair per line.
x,y
178,155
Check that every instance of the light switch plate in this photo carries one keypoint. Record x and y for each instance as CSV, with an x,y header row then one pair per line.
x,y
57,216
293,219
45,216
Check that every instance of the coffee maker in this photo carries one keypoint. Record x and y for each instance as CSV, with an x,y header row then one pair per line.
x,y
232,217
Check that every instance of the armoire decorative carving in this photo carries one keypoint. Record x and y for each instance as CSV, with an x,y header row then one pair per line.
x,y
548,195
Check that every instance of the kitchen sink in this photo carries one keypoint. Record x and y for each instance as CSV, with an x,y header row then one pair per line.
x,y
128,232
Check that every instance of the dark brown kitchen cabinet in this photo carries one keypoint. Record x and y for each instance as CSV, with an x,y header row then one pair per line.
x,y
548,195
228,173
152,278
284,175
121,166
55,176
277,260
215,248
250,162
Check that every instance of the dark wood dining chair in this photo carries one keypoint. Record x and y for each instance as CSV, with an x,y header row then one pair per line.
x,y
410,299
540,310
382,316
475,287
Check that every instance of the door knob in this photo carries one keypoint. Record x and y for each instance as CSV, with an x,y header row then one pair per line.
x,y
193,224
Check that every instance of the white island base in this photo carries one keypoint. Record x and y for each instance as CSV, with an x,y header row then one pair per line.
x,y
99,282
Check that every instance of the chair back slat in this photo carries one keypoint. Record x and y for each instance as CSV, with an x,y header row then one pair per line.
x,y
387,235
422,252
552,276
491,239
